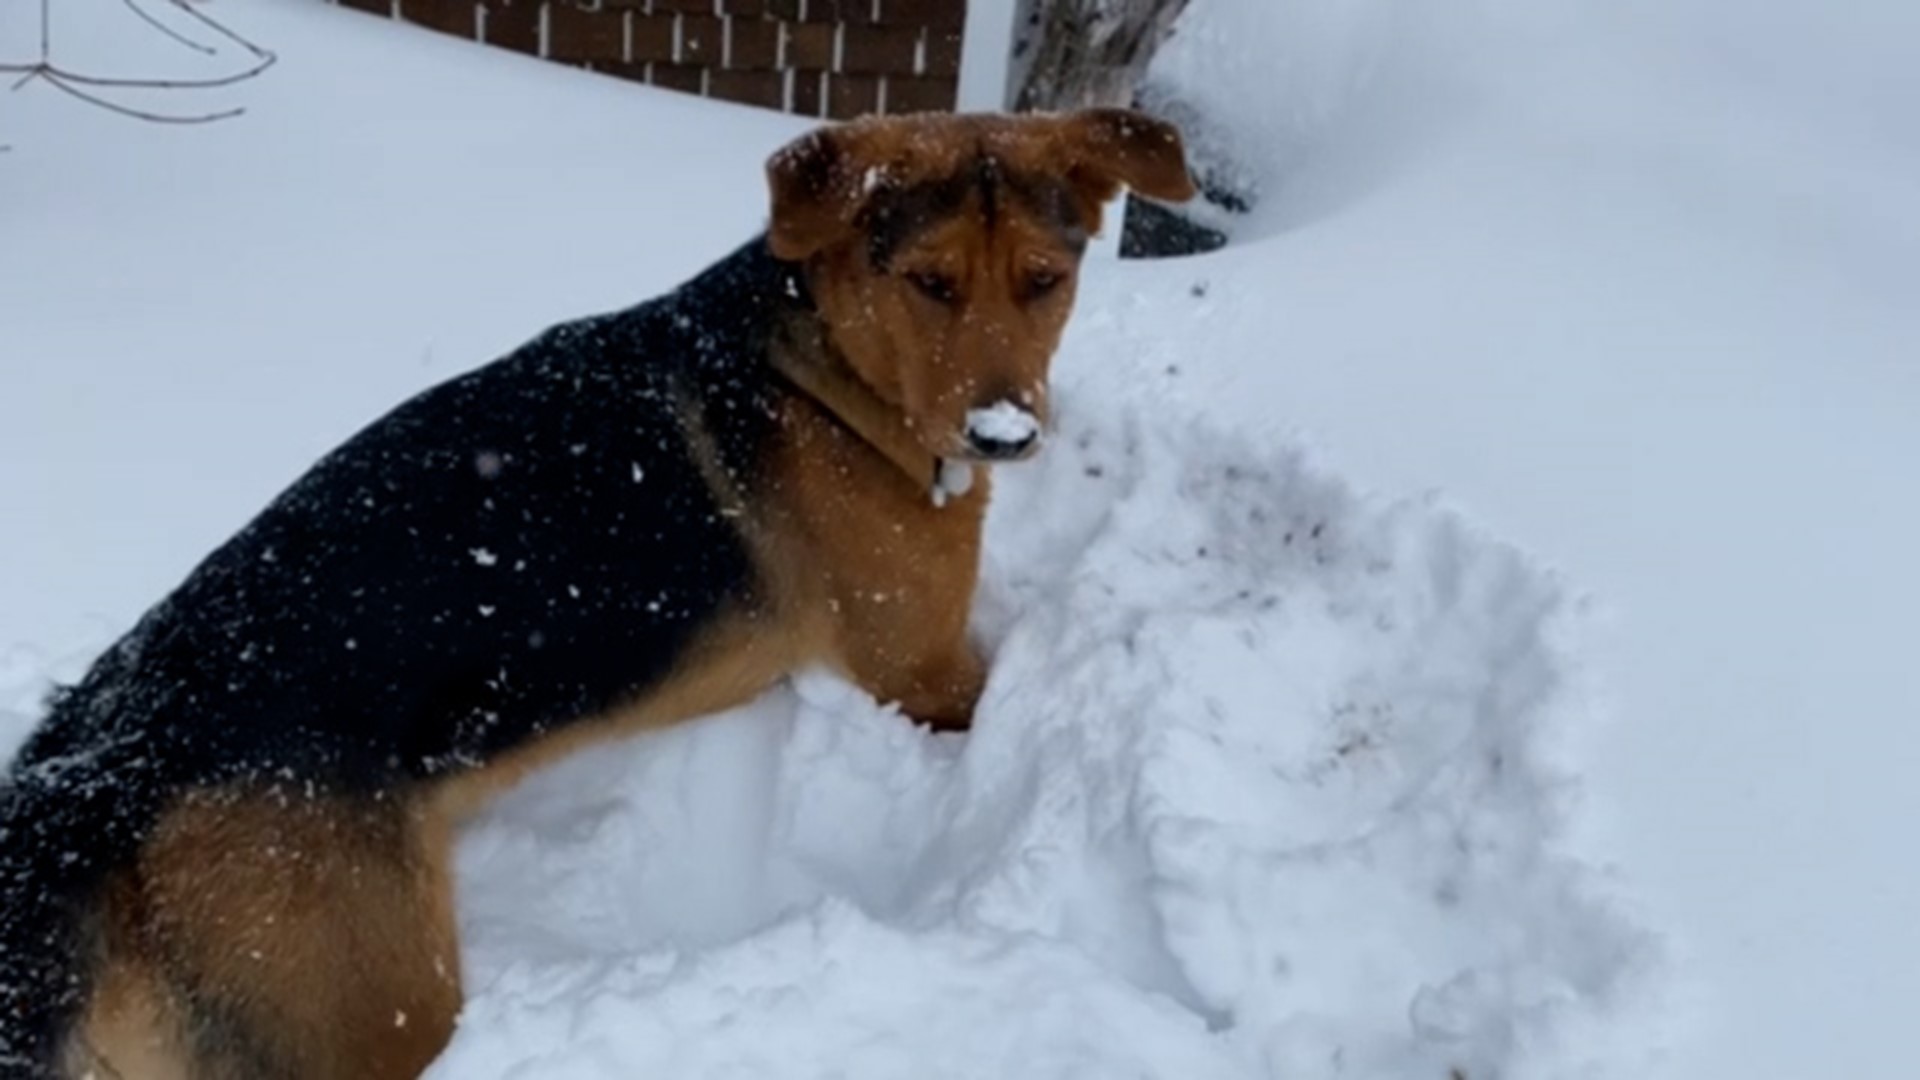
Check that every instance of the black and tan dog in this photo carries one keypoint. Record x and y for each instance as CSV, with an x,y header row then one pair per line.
x,y
225,852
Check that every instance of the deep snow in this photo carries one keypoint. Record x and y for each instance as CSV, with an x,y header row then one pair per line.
x,y
1258,787
1637,284
1273,778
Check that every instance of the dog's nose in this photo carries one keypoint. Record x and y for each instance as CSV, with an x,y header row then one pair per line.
x,y
1002,430
993,449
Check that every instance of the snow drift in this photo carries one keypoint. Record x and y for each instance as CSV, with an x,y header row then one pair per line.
x,y
1259,787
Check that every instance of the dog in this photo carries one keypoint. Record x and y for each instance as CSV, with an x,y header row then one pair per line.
x,y
224,852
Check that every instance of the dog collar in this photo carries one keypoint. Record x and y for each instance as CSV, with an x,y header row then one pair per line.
x,y
819,373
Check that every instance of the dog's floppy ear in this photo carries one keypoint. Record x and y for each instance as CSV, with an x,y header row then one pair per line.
x,y
815,187
1114,147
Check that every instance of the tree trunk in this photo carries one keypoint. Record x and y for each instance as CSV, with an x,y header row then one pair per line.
x,y
1080,53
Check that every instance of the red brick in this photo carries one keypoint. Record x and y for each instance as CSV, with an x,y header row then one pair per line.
x,y
686,77
910,93
810,45
945,14
743,9
371,7
578,34
633,72
652,38
943,54
684,7
764,88
849,96
784,9
456,17
753,44
513,24
700,39
857,12
878,50
807,92
814,11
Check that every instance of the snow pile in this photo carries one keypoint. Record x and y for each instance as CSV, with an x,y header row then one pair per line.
x,y
1259,82
1257,789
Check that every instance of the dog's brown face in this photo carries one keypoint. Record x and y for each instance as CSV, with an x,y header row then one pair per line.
x,y
943,253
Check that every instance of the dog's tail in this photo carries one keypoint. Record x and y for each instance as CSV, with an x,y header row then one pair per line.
x,y
65,824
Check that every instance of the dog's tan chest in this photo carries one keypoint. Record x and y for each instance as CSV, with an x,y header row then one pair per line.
x,y
851,537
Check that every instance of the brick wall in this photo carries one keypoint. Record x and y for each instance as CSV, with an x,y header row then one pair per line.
x,y
833,58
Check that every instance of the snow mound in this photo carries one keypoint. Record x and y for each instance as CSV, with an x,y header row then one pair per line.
x,y
1260,787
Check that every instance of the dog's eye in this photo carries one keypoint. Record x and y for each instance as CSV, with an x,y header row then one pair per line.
x,y
936,287
1041,282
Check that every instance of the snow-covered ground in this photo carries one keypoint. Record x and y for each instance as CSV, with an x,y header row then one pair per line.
x,y
1287,768
1639,285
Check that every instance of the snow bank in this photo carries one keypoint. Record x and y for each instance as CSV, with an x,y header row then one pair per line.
x,y
1257,789
1635,283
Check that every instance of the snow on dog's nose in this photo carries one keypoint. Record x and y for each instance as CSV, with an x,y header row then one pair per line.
x,y
1002,431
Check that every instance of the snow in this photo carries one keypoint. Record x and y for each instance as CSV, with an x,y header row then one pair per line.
x,y
1261,769
1636,286
1288,767
951,479
1003,421
985,78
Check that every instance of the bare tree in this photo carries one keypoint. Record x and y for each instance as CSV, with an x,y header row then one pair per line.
x,y
1078,53
109,91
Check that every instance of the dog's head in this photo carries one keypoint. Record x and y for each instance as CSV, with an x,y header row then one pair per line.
x,y
943,252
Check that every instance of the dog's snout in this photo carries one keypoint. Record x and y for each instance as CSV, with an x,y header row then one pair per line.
x,y
1002,430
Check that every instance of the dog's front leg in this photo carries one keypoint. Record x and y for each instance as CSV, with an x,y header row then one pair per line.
x,y
931,672
942,692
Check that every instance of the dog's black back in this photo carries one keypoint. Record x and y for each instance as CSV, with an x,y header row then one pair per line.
x,y
512,550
